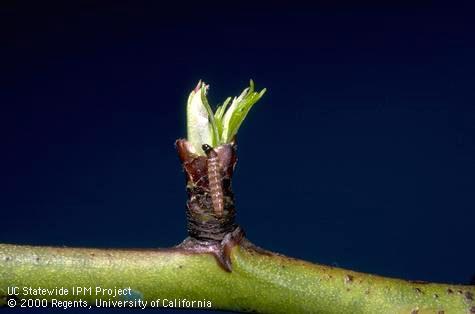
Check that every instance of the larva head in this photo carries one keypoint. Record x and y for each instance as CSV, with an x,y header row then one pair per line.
x,y
207,149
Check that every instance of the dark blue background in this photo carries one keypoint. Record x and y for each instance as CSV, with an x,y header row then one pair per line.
x,y
361,154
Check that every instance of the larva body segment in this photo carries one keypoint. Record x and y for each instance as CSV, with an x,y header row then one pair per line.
x,y
215,180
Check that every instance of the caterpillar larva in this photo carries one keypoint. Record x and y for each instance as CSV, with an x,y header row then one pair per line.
x,y
215,180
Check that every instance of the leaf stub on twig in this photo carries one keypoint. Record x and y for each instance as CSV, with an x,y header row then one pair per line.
x,y
220,250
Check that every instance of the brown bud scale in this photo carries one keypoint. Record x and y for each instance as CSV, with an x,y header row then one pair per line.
x,y
210,205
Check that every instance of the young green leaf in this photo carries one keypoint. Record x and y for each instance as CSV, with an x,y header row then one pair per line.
x,y
238,111
199,130
218,118
204,100
206,127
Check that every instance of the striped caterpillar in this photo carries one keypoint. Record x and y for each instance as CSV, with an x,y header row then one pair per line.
x,y
215,180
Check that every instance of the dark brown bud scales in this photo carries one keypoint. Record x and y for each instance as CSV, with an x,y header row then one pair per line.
x,y
204,223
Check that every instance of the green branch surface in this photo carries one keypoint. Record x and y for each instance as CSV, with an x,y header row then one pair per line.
x,y
260,281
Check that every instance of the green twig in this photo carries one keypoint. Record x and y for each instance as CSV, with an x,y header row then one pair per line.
x,y
260,281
